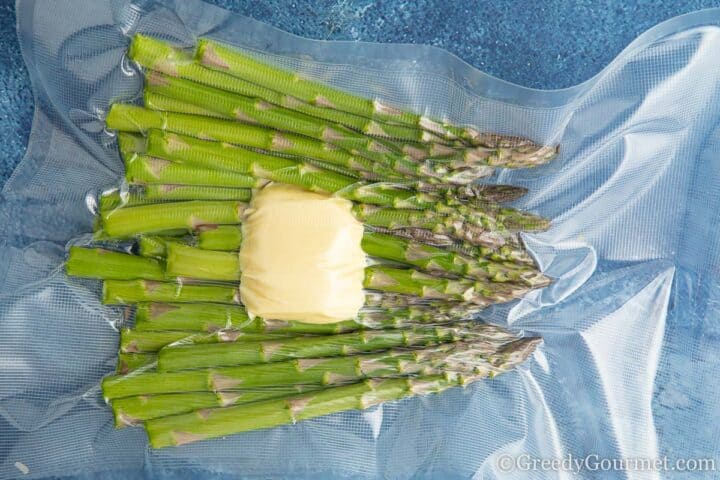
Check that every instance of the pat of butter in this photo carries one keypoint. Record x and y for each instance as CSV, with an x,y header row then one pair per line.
x,y
301,257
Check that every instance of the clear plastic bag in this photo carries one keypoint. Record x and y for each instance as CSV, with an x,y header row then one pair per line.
x,y
629,326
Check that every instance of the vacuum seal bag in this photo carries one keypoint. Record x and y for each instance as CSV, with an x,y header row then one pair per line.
x,y
627,322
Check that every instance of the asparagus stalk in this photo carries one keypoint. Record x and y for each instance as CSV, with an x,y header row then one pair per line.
x,y
102,263
236,63
142,169
130,118
156,55
211,318
126,222
321,371
163,193
159,193
225,266
136,119
512,251
204,317
413,282
472,226
140,341
184,149
215,156
209,423
258,111
487,193
438,260
225,354
156,101
195,263
229,238
420,221
508,151
239,64
191,262
129,292
134,410
186,261
159,56
220,237
153,383
410,149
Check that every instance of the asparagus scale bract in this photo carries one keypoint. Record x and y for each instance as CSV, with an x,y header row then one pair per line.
x,y
435,248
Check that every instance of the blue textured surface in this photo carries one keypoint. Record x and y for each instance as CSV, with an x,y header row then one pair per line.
x,y
550,44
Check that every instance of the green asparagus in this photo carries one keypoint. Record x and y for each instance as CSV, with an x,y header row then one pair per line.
x,y
183,357
209,423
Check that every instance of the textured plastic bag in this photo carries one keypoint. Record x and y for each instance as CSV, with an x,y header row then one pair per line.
x,y
630,327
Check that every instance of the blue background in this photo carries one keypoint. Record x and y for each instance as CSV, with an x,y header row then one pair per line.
x,y
541,44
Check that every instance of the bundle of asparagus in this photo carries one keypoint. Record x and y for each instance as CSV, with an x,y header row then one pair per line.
x,y
218,124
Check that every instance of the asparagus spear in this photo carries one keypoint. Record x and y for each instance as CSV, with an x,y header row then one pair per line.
x,y
410,149
209,423
162,57
183,357
191,262
214,156
225,266
307,371
434,259
156,101
238,64
140,341
508,151
512,251
211,318
136,119
130,142
126,222
452,157
134,410
99,262
457,356
258,111
162,193
450,226
221,237
142,169
154,54
413,282
229,238
130,118
206,265
205,317
487,193
129,292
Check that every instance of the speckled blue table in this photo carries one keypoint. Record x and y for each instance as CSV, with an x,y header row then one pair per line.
x,y
543,44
